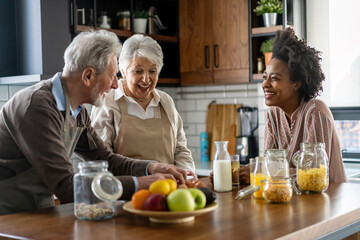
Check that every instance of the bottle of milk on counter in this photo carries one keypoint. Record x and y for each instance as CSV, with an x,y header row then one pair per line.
x,y
222,168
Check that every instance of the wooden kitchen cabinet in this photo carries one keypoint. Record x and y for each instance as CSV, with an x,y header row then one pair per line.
x,y
213,39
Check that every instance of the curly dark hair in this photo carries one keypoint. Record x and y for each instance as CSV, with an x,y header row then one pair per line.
x,y
303,62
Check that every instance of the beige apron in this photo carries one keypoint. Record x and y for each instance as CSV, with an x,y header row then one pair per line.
x,y
148,139
26,191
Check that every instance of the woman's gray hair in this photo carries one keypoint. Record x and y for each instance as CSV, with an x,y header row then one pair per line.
x,y
91,49
140,45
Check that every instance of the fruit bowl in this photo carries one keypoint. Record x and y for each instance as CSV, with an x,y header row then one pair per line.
x,y
170,217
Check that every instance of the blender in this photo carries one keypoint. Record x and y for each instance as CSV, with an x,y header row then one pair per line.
x,y
246,146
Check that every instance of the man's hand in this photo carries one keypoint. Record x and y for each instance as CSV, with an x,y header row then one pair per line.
x,y
178,174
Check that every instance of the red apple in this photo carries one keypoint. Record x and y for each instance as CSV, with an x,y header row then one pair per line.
x,y
155,202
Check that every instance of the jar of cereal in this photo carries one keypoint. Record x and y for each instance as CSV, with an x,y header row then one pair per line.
x,y
95,191
278,190
312,167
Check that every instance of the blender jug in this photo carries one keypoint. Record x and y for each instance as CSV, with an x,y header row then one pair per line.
x,y
246,145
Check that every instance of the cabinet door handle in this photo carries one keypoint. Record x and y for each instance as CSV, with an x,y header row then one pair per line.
x,y
207,53
216,53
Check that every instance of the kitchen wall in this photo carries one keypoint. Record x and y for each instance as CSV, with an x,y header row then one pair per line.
x,y
7,91
192,102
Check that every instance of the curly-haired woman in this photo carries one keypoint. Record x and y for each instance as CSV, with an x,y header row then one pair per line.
x,y
292,81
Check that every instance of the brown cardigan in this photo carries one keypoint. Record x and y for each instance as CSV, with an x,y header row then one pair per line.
x,y
30,136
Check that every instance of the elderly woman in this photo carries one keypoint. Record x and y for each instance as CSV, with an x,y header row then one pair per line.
x,y
292,81
138,120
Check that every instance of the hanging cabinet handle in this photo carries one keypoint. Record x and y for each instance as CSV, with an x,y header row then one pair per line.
x,y
207,54
216,53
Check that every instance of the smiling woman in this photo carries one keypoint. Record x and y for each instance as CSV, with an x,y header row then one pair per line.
x,y
292,81
137,120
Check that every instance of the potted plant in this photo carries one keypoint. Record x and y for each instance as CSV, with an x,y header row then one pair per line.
x,y
269,10
266,48
140,20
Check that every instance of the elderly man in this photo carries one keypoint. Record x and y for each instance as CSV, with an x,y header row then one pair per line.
x,y
42,125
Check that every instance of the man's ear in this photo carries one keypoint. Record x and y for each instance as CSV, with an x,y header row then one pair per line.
x,y
88,76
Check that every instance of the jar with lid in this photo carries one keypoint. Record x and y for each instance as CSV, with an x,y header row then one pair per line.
x,y
277,163
222,168
258,175
95,191
312,167
277,190
124,20
260,65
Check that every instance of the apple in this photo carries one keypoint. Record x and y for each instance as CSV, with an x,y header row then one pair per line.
x,y
199,198
180,200
155,202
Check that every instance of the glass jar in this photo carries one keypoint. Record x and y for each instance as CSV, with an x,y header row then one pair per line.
x,y
124,20
277,163
222,168
278,190
258,175
95,191
312,167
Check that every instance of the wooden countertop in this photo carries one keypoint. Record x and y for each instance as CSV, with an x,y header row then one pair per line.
x,y
334,214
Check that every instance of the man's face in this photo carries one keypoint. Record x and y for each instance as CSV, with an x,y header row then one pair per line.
x,y
105,82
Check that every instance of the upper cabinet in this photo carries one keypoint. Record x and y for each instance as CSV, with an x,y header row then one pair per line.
x,y
120,17
213,41
294,15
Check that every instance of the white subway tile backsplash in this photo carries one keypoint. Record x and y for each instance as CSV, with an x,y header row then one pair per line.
x,y
200,128
15,88
4,93
220,88
249,102
242,87
193,141
202,105
186,105
253,86
190,129
236,94
2,104
252,93
183,116
215,95
196,117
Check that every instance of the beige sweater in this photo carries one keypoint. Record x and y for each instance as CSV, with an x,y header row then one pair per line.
x,y
312,121
106,122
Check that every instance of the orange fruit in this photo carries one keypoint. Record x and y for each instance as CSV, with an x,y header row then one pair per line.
x,y
139,198
172,183
160,186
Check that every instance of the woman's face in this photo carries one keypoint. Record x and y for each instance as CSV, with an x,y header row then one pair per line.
x,y
279,90
141,77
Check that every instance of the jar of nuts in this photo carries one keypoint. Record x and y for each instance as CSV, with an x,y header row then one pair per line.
x,y
95,191
278,190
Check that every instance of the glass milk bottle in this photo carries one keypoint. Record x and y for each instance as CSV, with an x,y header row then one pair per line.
x,y
222,168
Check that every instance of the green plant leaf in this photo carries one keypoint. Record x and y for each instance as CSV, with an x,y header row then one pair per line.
x,y
267,46
268,6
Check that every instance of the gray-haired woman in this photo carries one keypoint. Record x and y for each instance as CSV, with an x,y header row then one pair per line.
x,y
138,120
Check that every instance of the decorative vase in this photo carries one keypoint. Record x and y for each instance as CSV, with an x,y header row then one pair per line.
x,y
267,56
140,25
269,19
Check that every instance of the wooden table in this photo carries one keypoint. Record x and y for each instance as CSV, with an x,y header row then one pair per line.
x,y
334,214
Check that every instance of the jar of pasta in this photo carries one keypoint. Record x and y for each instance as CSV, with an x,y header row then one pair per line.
x,y
312,167
95,191
278,190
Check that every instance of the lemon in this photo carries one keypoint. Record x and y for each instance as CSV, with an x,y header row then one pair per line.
x,y
172,183
161,186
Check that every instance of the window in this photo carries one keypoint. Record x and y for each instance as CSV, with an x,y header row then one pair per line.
x,y
347,123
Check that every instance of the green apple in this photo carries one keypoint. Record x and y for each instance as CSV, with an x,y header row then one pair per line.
x,y
199,198
180,200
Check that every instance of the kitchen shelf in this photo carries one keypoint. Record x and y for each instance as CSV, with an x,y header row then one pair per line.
x,y
169,81
293,16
